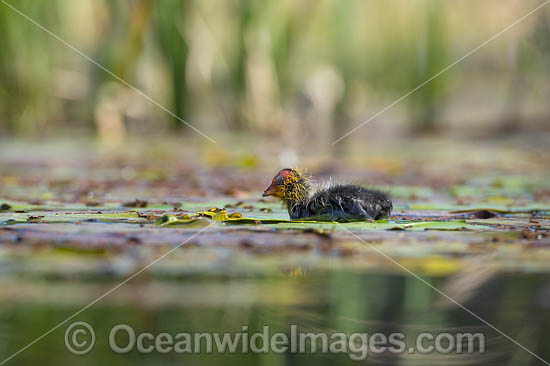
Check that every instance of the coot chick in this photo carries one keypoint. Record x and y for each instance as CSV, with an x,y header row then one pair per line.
x,y
328,201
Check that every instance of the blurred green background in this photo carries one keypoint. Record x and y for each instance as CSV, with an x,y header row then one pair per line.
x,y
294,70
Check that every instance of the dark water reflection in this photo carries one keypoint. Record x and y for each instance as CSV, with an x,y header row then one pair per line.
x,y
331,301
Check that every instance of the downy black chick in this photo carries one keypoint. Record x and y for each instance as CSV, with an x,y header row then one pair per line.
x,y
328,201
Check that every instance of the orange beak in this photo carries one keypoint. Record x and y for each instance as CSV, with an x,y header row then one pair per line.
x,y
270,191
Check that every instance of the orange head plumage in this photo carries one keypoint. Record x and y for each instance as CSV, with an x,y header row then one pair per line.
x,y
289,185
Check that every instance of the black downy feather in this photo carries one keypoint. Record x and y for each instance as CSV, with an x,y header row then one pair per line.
x,y
342,202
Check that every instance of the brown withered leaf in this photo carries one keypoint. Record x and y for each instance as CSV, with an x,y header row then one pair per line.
x,y
137,203
5,207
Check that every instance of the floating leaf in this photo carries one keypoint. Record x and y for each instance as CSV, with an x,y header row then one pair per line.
x,y
171,220
35,218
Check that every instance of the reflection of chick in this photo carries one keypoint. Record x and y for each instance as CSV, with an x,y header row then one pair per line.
x,y
329,201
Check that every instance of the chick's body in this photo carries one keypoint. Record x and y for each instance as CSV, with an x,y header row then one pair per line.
x,y
329,201
343,202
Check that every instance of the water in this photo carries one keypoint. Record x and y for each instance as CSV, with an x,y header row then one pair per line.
x,y
327,301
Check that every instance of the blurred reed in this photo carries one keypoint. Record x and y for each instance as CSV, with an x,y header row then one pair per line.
x,y
303,71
